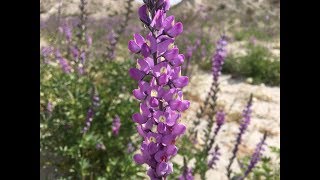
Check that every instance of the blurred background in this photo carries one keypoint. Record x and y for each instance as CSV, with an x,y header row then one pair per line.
x,y
86,90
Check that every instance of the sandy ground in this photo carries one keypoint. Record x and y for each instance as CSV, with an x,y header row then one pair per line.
x,y
234,95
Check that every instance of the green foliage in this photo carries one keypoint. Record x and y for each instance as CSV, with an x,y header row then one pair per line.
x,y
265,169
246,34
257,64
62,144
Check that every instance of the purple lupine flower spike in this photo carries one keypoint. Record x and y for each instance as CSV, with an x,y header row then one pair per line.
x,y
95,103
187,174
215,157
63,62
220,119
255,158
49,107
246,117
161,97
218,58
116,125
130,148
67,31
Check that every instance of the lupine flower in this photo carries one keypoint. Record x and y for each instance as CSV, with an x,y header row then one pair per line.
x,y
75,52
219,57
220,119
89,40
46,52
130,148
255,158
63,62
95,103
49,107
116,125
161,98
215,157
67,31
246,117
187,174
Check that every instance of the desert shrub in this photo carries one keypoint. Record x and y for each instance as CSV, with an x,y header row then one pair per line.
x,y
258,64
98,152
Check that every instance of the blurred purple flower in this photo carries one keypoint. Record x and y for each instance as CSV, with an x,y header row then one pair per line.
x,y
116,125
187,174
256,156
215,155
219,57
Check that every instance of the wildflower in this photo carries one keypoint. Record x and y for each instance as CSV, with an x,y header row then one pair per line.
x,y
130,148
255,156
215,157
187,174
95,103
218,58
220,119
49,107
161,98
63,63
246,117
116,125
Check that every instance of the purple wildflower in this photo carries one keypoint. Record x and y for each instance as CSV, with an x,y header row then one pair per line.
x,y
95,103
89,40
246,117
63,62
255,156
130,148
67,31
187,174
220,119
75,52
116,125
46,53
161,98
219,57
215,157
49,107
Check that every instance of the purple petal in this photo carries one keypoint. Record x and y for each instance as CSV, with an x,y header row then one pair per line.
x,y
161,128
136,74
162,168
138,94
184,105
143,14
133,46
158,156
171,150
140,131
154,102
138,118
145,50
163,79
168,22
171,54
178,60
163,46
139,39
175,30
153,148
167,139
178,129
181,81
138,158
